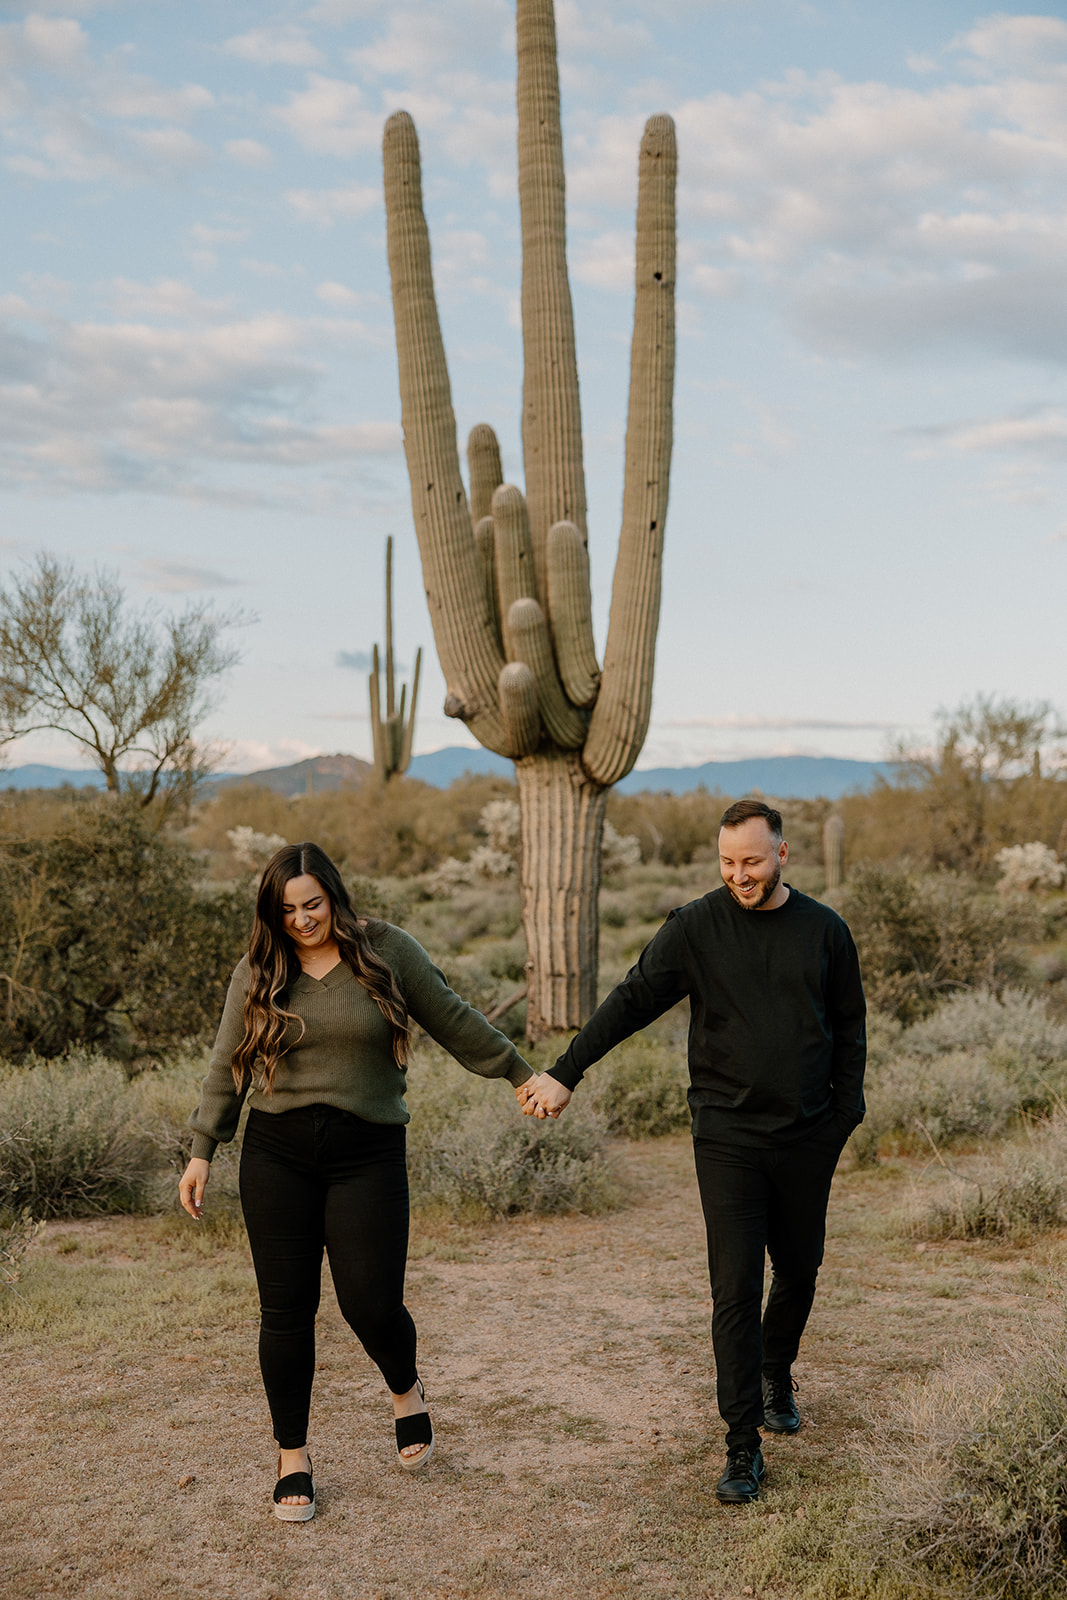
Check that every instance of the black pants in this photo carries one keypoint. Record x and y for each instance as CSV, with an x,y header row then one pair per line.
x,y
313,1178
758,1202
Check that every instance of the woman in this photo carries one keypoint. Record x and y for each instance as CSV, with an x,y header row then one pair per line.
x,y
316,1024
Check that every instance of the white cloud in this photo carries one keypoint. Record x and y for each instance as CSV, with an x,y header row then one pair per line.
x,y
331,116
176,577
256,755
167,297
327,206
249,152
1039,431
112,406
337,294
267,47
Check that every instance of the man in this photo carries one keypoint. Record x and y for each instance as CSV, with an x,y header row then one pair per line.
x,y
776,1057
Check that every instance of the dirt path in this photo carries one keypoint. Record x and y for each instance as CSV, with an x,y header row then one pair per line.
x,y
568,1368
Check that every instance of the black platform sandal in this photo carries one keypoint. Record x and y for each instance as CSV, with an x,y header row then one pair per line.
x,y
414,1430
294,1483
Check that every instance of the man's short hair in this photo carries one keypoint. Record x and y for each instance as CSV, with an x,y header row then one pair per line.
x,y
741,810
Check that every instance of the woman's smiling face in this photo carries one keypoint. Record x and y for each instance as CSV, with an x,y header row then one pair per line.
x,y
307,914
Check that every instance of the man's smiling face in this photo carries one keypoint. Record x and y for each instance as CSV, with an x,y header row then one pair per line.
x,y
751,859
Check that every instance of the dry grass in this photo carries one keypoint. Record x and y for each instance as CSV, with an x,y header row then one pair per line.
x,y
568,1365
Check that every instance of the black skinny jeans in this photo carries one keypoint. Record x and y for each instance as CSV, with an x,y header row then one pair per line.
x,y
760,1202
319,1177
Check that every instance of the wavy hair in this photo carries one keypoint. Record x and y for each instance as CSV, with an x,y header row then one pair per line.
x,y
274,966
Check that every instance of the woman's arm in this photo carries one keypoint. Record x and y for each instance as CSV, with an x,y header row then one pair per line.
x,y
447,1018
215,1119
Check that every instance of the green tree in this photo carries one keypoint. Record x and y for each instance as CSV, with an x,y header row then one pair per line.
x,y
128,688
108,940
981,784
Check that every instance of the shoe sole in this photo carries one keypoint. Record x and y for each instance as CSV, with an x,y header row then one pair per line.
x,y
294,1513
778,1427
416,1463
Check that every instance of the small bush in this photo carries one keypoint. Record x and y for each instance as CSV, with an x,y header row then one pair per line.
x,y
1013,1032
969,1475
18,1230
69,1147
954,1096
1005,1200
923,937
640,1089
470,1148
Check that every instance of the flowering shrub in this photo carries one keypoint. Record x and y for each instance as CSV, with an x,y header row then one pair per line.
x,y
1029,868
253,850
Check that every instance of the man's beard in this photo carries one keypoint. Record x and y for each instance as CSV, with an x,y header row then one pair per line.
x,y
768,889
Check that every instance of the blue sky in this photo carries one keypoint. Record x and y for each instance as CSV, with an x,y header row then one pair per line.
x,y
868,510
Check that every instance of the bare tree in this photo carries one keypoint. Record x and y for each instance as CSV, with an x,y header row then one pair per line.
x,y
129,688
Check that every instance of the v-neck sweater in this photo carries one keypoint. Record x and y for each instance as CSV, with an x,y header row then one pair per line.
x,y
344,1055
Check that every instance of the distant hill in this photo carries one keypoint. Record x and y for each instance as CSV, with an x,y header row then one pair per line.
x,y
787,777
317,775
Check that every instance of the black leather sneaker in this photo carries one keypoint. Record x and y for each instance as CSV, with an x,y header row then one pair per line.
x,y
780,1414
744,1473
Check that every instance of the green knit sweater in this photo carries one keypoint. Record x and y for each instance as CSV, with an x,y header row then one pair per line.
x,y
345,1056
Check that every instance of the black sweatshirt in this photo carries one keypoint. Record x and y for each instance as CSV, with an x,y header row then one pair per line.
x,y
777,1045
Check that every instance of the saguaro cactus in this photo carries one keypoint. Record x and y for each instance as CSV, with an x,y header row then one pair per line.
x,y
391,735
507,574
833,850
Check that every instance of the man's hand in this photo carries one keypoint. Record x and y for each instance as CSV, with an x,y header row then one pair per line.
x,y
194,1182
546,1097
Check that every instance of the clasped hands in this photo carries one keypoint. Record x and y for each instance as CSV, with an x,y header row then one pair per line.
x,y
542,1096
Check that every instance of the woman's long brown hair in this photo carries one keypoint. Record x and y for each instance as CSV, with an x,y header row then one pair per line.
x,y
274,966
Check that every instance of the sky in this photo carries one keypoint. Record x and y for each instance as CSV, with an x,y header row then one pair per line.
x,y
198,386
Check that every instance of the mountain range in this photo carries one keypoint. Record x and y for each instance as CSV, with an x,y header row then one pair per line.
x,y
787,777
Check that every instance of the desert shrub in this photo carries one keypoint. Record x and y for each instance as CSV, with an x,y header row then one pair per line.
x,y
107,940
954,1096
1013,1031
470,1148
1022,1193
1002,1204
1029,868
922,937
158,1108
415,830
968,1475
68,1146
640,1088
18,1230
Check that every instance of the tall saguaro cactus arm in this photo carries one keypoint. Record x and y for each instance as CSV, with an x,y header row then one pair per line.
x,y
463,630
392,736
508,581
624,705
551,409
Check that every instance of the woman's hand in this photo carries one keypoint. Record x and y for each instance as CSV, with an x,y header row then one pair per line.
x,y
543,1096
194,1182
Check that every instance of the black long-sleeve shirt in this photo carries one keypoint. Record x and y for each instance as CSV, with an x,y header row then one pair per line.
x,y
777,1044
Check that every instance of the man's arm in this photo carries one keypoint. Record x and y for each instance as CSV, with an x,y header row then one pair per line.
x,y
658,981
848,1014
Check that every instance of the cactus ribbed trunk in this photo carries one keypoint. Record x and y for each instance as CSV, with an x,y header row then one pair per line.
x,y
559,882
463,630
621,715
510,596
833,850
551,409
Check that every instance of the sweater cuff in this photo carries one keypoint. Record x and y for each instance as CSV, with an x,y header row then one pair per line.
x,y
204,1147
566,1073
519,1073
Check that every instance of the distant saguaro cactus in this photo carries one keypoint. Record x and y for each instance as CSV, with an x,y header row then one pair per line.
x,y
833,850
507,577
391,735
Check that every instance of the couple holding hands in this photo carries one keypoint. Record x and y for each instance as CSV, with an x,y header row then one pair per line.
x,y
315,1031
